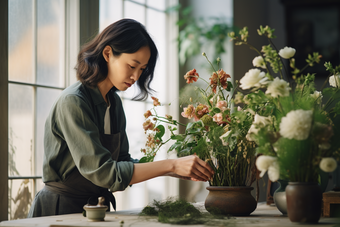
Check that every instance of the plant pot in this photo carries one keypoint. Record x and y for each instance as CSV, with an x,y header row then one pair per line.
x,y
225,200
280,197
304,202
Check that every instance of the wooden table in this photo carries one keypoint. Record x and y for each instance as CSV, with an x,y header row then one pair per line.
x,y
263,216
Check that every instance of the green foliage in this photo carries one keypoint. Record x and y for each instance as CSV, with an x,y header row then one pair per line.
x,y
195,33
283,108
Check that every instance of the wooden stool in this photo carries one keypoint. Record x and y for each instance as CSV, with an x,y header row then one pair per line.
x,y
329,198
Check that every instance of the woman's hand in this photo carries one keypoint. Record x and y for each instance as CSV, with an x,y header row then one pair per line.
x,y
189,167
193,167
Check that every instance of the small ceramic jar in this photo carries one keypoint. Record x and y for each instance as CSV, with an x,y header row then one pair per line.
x,y
96,212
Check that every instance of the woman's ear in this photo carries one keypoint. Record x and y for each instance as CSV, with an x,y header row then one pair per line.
x,y
106,53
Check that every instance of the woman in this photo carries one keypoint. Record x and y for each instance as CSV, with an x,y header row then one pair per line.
x,y
86,147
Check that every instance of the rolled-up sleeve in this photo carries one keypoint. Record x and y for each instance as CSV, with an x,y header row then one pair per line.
x,y
75,123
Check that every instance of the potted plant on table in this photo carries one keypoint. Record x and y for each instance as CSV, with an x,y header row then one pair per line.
x,y
293,125
217,135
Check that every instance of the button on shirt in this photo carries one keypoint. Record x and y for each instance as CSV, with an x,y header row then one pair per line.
x,y
72,139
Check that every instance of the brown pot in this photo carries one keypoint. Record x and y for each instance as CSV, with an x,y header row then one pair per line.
x,y
226,200
304,202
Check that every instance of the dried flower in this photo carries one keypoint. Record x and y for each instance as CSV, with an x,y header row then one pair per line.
x,y
188,112
191,76
148,125
147,114
155,101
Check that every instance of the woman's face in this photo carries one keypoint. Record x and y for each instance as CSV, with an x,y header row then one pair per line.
x,y
125,70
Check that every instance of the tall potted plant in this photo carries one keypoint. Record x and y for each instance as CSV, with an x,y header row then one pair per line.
x,y
293,126
217,135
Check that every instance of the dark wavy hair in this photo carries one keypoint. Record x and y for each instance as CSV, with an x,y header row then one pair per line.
x,y
124,36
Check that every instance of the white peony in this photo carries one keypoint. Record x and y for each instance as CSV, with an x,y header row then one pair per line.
x,y
334,80
317,95
253,78
296,124
263,162
259,62
274,171
259,122
287,52
328,165
278,87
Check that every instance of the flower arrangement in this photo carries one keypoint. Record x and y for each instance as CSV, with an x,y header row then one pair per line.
x,y
216,132
295,128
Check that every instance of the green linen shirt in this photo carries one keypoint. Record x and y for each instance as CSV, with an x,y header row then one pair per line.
x,y
72,140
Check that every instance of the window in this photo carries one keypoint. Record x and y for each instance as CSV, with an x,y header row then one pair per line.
x,y
37,73
161,27
42,53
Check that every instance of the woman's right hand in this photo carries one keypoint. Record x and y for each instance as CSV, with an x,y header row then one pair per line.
x,y
194,167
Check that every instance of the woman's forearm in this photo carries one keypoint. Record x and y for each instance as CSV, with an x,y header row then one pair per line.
x,y
146,171
190,167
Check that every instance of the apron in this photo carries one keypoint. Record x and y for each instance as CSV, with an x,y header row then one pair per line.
x,y
71,195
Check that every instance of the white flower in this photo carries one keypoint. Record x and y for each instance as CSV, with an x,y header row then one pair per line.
x,y
287,52
259,62
224,135
317,95
278,87
274,171
296,124
334,80
259,122
328,164
263,162
253,78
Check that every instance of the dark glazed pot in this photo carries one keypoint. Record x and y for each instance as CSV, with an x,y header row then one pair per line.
x,y
304,202
226,200
280,197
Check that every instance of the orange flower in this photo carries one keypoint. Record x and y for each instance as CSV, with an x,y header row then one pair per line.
x,y
188,112
191,76
147,114
155,101
222,77
148,125
201,110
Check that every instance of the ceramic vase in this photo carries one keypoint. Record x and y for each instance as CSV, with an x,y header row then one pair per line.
x,y
304,202
225,200
280,197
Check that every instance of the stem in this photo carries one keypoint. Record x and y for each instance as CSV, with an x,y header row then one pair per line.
x,y
284,67
257,51
324,83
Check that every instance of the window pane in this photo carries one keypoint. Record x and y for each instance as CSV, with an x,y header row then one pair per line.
x,y
110,11
20,41
21,196
45,100
50,43
140,1
157,31
134,11
158,4
134,112
20,130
